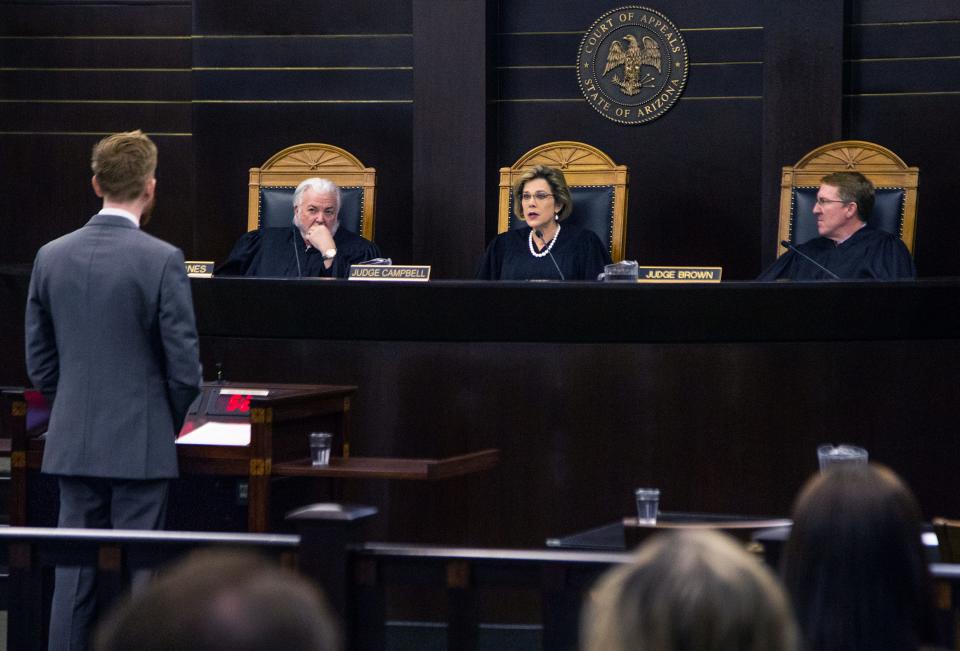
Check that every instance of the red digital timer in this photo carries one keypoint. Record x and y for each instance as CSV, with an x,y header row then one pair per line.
x,y
230,404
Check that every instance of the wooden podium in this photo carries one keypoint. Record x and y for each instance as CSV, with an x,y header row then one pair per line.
x,y
279,417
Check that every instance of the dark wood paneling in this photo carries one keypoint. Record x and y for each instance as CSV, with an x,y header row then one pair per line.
x,y
308,85
694,175
117,18
883,11
915,84
575,15
107,117
301,17
108,84
561,83
729,425
922,131
58,47
711,45
60,198
103,52
232,138
303,50
904,76
802,107
906,39
454,180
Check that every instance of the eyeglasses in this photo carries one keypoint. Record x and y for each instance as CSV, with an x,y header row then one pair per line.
x,y
821,201
539,196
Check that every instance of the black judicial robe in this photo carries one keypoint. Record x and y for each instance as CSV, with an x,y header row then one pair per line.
x,y
578,252
281,253
868,254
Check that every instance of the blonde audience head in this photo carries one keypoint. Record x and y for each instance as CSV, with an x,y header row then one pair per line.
x,y
689,591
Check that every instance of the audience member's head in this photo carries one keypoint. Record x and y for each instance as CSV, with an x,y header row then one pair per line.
x,y
854,565
690,590
219,601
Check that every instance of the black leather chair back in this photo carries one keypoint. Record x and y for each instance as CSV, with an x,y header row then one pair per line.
x,y
276,207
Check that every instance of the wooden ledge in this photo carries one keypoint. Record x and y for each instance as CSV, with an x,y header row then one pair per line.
x,y
393,468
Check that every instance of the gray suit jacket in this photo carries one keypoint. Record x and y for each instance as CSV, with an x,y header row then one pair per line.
x,y
110,335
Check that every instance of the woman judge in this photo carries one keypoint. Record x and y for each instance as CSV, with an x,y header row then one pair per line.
x,y
547,248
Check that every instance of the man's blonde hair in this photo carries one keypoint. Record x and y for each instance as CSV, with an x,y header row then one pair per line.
x,y
123,163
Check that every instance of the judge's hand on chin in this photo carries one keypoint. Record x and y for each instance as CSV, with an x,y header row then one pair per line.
x,y
319,237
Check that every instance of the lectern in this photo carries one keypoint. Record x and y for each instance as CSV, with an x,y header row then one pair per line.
x,y
260,426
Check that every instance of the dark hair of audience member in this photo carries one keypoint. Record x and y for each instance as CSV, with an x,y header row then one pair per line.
x,y
219,601
689,590
854,565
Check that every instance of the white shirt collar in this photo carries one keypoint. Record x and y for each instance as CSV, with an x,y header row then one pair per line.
x,y
120,212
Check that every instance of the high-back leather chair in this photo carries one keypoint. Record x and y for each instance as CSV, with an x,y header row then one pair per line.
x,y
270,201
895,208
598,187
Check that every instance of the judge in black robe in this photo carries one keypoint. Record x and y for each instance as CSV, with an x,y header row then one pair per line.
x,y
578,253
316,245
548,248
847,246
282,253
868,254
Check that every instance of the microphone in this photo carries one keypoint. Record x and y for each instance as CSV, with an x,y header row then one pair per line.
x,y
803,255
539,234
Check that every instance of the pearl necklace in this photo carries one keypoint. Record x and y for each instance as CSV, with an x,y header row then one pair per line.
x,y
533,251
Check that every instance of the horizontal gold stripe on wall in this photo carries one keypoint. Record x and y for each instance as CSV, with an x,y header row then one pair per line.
x,y
580,99
206,101
297,68
94,101
187,37
682,29
31,69
262,36
907,23
572,67
213,69
905,93
91,133
886,59
303,101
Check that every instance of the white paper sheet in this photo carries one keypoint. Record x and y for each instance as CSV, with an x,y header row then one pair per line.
x,y
214,433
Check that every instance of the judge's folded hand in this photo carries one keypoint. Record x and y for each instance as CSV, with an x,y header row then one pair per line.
x,y
320,238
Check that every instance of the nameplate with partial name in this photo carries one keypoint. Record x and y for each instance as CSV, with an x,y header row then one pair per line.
x,y
395,272
679,274
199,268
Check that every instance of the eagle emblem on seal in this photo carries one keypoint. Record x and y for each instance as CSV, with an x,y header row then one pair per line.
x,y
633,58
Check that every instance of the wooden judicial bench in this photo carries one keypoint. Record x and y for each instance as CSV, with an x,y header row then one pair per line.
x,y
279,415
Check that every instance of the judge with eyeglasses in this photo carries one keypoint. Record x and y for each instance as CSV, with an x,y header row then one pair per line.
x,y
848,247
548,247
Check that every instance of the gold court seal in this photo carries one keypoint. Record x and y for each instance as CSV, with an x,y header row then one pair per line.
x,y
632,65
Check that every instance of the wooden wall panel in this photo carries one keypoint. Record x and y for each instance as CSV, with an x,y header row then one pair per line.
x,y
73,72
695,172
265,79
902,90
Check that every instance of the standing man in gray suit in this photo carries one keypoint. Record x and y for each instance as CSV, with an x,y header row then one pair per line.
x,y
111,341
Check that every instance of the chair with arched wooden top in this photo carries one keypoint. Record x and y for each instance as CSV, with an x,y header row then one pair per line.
x,y
270,200
895,207
598,187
